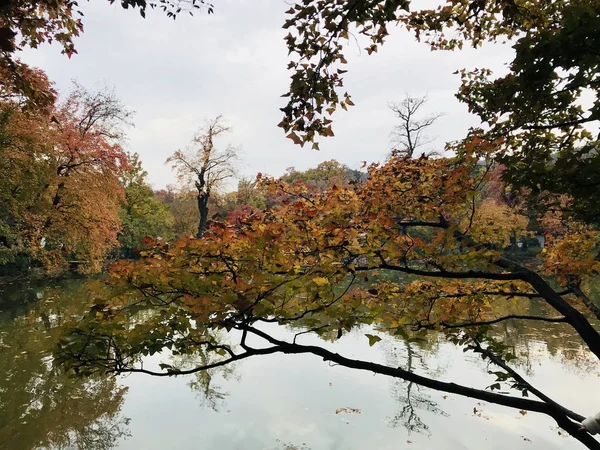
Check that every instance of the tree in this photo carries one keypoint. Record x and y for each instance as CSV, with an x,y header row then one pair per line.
x,y
408,250
249,198
84,194
542,127
250,194
324,176
183,207
142,214
409,134
62,195
27,23
205,167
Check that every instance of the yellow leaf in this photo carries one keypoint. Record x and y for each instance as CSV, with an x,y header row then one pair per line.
x,y
320,281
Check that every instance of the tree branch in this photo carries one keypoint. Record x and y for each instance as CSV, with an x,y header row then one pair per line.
x,y
238,357
445,274
589,303
553,410
477,348
494,321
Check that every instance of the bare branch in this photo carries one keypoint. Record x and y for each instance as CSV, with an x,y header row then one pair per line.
x,y
408,136
204,166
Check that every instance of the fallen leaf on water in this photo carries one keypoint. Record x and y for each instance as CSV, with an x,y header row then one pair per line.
x,y
522,412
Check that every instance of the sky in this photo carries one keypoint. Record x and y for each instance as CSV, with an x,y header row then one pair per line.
x,y
174,74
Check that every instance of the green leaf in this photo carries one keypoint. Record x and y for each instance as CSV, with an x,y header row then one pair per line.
x,y
372,339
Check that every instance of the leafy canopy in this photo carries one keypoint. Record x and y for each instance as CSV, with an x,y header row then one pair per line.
x,y
301,260
419,245
542,116
142,213
62,194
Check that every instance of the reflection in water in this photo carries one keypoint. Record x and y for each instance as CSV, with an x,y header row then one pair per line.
x,y
40,407
531,341
209,393
288,446
278,402
411,397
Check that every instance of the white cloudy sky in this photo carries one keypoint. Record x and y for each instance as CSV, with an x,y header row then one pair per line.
x,y
174,74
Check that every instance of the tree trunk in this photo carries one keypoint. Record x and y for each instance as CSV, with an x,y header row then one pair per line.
x,y
203,213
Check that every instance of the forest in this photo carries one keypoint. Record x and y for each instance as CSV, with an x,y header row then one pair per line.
x,y
483,251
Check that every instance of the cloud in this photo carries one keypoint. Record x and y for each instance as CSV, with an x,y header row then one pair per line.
x,y
176,73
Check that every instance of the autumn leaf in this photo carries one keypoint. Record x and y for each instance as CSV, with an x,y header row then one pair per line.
x,y
372,339
320,281
295,138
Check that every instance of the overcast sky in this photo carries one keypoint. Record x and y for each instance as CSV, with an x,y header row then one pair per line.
x,y
174,74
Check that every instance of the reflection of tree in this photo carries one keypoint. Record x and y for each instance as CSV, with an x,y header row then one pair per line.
x,y
41,407
289,446
525,339
408,394
203,383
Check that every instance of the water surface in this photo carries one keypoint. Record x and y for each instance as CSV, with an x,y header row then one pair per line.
x,y
277,401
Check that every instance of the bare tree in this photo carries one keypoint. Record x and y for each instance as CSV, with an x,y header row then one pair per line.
x,y
410,133
204,166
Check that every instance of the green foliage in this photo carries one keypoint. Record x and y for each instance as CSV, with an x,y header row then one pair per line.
x,y
250,194
142,214
182,206
546,109
324,176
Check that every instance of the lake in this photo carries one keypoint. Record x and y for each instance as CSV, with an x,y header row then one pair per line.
x,y
278,401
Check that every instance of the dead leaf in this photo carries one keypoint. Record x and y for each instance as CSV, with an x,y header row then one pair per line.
x,y
347,411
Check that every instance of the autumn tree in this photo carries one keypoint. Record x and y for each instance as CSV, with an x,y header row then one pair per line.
x,y
61,195
249,197
537,113
29,24
415,248
85,193
183,207
205,167
324,176
26,171
142,213
411,132
322,261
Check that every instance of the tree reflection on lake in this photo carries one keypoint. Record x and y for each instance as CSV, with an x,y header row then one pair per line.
x,y
278,401
41,407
